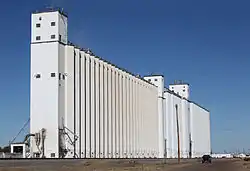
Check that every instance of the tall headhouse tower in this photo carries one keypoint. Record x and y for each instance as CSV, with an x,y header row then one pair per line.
x,y
181,88
48,40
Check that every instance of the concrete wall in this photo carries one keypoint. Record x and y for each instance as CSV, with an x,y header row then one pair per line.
x,y
180,89
47,92
183,114
158,80
45,30
112,112
185,129
200,130
171,124
44,93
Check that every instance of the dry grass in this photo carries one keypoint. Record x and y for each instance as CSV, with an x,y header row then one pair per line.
x,y
247,159
243,164
99,165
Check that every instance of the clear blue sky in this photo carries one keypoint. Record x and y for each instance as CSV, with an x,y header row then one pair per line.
x,y
204,43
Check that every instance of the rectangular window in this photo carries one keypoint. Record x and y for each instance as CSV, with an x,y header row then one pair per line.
x,y
38,25
53,36
38,76
38,37
53,74
60,37
53,23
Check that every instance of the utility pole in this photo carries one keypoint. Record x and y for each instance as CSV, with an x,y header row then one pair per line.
x,y
178,132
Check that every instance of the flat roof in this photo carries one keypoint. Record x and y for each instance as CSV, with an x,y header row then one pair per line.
x,y
154,75
180,84
18,143
175,94
172,92
51,9
199,105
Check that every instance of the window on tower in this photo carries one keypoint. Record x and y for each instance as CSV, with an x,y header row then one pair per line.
x,y
38,37
53,74
38,25
53,36
38,76
53,23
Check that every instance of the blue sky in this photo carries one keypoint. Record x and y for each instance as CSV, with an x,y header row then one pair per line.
x,y
204,43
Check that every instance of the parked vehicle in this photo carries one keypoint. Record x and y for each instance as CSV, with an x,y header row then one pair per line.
x,y
206,159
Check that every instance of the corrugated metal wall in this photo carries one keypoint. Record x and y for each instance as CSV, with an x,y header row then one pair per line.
x,y
113,114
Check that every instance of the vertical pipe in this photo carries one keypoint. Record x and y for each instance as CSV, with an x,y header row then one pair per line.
x,y
77,104
133,119
137,119
110,112
74,104
105,108
117,115
141,120
94,106
149,147
121,114
85,111
130,117
97,107
113,127
178,133
124,115
80,105
101,112
171,110
127,117
93,110
88,106
145,120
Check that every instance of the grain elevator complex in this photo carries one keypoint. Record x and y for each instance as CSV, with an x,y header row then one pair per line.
x,y
85,107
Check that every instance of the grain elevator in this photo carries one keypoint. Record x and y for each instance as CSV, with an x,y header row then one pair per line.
x,y
82,106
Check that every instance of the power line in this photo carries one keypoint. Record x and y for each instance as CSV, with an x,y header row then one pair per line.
x,y
21,130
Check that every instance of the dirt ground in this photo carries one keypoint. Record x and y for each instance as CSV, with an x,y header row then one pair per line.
x,y
122,165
